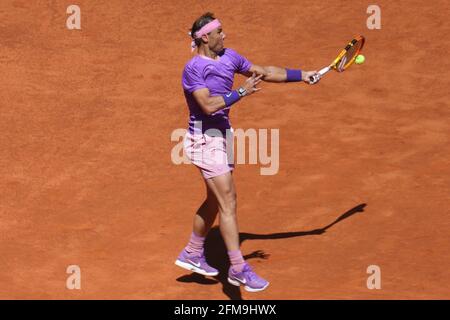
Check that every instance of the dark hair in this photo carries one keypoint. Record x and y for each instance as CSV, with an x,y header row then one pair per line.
x,y
199,23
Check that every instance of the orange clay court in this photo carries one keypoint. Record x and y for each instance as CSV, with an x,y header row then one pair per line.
x,y
87,177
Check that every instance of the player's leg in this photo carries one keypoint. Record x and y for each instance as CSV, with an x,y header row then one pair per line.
x,y
223,188
206,214
240,272
192,257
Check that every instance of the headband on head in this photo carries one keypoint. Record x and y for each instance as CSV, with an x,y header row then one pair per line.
x,y
207,28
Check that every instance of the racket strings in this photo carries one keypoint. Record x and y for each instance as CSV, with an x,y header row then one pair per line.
x,y
351,54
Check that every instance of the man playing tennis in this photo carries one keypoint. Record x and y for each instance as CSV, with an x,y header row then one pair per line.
x,y
207,82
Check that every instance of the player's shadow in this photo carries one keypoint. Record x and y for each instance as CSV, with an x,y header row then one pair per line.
x,y
216,252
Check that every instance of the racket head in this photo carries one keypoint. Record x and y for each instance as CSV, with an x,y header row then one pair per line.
x,y
348,55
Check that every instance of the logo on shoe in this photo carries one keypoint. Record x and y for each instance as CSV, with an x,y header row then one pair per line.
x,y
242,280
193,263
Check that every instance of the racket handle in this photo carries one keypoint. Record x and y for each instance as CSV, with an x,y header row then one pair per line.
x,y
315,78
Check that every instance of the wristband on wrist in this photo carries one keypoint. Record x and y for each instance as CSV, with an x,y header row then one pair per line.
x,y
231,98
293,75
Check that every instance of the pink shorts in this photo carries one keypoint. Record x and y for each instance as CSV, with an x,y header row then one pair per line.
x,y
209,154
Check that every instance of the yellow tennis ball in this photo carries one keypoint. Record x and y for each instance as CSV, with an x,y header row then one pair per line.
x,y
360,59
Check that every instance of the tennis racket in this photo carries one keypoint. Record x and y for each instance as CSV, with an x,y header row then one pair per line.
x,y
344,60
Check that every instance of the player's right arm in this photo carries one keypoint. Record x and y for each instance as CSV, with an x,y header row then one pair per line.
x,y
211,104
207,103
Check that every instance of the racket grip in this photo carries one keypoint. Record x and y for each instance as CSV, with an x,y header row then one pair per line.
x,y
315,78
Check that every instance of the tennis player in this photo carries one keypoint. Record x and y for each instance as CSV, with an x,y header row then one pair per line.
x,y
207,82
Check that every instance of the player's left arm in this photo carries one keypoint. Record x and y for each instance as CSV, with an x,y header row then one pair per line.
x,y
275,74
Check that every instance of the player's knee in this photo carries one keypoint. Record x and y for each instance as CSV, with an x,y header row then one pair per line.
x,y
231,196
229,204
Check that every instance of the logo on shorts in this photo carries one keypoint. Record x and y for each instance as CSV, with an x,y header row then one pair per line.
x,y
228,95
